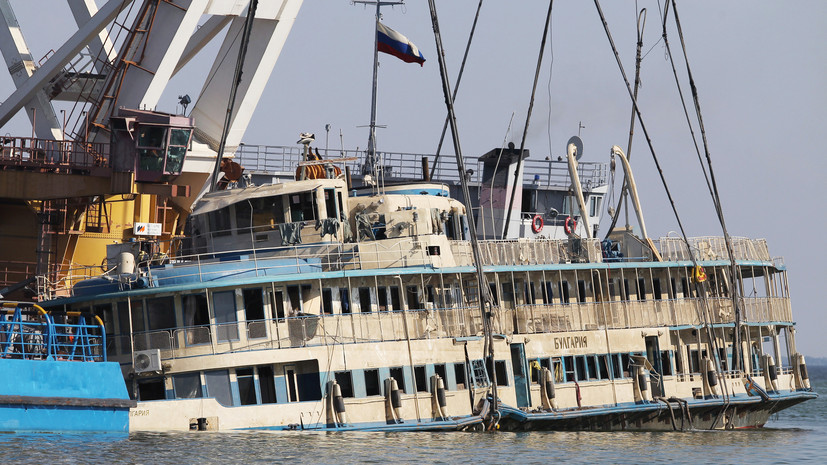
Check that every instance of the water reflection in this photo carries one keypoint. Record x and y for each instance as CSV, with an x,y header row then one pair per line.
x,y
795,435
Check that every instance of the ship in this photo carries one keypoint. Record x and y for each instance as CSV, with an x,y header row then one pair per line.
x,y
294,299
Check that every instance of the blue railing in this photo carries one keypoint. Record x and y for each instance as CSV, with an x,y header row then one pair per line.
x,y
28,332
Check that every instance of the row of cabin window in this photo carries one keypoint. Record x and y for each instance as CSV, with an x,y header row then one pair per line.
x,y
561,291
159,313
694,357
455,227
595,367
456,376
156,314
261,385
249,385
552,292
277,209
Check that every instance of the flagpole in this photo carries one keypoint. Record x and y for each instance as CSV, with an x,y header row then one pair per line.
x,y
370,160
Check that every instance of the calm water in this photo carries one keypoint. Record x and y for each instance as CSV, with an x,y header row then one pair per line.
x,y
796,435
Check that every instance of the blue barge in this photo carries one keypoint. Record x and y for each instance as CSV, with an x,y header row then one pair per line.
x,y
61,380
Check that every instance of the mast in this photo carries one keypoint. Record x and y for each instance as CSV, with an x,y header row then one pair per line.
x,y
370,160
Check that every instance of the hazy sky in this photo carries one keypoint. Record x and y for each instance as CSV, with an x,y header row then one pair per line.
x,y
759,66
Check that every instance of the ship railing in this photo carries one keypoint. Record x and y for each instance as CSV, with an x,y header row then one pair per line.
x,y
324,257
588,316
306,331
40,338
309,330
13,272
58,155
529,252
713,248
767,309
272,159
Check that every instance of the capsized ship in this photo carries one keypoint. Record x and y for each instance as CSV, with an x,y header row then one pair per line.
x,y
310,305
306,303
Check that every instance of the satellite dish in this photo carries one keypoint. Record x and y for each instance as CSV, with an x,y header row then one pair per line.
x,y
578,153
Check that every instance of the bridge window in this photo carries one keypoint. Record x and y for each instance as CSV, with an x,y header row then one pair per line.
x,y
580,368
187,386
656,290
508,295
557,369
219,222
243,216
581,290
382,297
178,141
591,362
246,386
225,316
196,314
399,375
594,205
565,297
327,301
617,366
151,389
439,369
395,299
330,204
459,375
254,313
412,295
568,365
421,378
502,372
548,293
161,313
345,300
666,363
372,385
603,366
345,382
364,300
218,386
267,384
303,206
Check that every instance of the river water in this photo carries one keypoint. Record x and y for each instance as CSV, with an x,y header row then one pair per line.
x,y
796,435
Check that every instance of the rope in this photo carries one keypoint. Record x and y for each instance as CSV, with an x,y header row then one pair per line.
x,y
456,88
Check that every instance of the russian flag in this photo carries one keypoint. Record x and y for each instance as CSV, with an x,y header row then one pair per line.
x,y
393,43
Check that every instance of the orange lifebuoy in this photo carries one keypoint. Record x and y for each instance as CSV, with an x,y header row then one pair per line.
x,y
570,225
537,224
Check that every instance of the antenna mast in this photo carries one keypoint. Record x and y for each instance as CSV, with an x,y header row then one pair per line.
x,y
370,160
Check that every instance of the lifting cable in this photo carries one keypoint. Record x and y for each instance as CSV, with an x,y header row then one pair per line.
x,y
643,127
735,291
657,165
242,53
517,171
706,317
484,292
624,192
456,88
